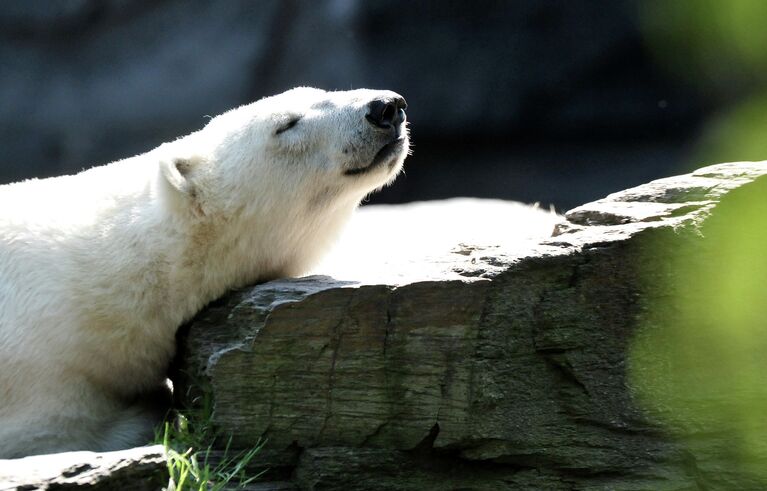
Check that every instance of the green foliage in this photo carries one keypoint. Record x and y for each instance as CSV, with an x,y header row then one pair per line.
x,y
735,135
698,363
191,458
717,48
711,44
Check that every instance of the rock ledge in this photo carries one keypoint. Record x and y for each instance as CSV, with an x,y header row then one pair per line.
x,y
499,366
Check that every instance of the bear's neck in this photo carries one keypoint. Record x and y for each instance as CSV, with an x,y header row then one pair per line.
x,y
210,255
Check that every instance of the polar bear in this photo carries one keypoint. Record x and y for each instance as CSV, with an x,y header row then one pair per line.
x,y
99,269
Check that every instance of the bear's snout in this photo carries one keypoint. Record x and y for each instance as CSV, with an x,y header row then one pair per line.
x,y
386,113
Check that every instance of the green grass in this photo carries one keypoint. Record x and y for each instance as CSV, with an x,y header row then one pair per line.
x,y
192,464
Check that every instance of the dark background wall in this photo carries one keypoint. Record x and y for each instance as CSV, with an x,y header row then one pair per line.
x,y
556,101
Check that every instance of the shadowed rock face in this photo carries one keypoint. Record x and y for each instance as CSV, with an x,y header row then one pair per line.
x,y
503,365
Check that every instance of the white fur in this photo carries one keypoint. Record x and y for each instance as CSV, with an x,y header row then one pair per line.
x,y
98,270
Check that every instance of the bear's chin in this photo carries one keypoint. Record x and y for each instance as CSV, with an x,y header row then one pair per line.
x,y
387,157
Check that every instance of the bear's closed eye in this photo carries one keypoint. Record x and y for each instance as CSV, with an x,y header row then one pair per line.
x,y
293,121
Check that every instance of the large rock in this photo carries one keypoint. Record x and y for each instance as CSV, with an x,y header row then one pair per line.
x,y
440,355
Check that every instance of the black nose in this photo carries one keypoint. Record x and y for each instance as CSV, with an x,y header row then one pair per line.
x,y
386,113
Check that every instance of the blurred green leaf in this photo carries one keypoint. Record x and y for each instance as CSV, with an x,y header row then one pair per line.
x,y
699,361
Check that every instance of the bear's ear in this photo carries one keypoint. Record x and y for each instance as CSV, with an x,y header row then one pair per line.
x,y
179,175
176,172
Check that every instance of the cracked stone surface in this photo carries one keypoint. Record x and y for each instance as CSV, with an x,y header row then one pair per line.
x,y
136,469
462,345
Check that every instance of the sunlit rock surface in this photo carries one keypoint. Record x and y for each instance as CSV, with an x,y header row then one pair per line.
x,y
436,240
457,345
137,469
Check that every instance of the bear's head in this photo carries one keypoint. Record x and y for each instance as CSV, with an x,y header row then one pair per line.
x,y
300,149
